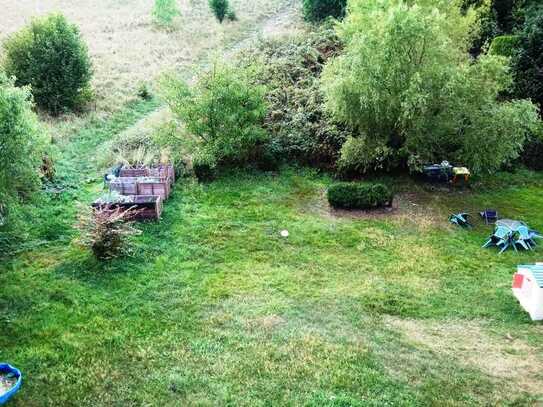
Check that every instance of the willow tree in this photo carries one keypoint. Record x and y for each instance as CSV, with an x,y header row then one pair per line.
x,y
407,84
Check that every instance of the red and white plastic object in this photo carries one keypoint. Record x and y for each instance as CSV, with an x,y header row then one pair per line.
x,y
528,289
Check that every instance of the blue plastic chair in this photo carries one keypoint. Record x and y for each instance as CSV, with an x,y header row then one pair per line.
x,y
524,238
6,369
460,219
502,237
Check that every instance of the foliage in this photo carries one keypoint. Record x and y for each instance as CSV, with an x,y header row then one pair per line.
x,y
485,28
406,81
145,145
144,92
318,10
497,18
504,45
220,8
350,195
361,155
532,154
224,110
231,14
21,146
106,231
204,166
47,169
165,11
50,55
528,64
300,128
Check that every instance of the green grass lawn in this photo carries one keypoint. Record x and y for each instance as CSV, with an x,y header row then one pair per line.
x,y
216,308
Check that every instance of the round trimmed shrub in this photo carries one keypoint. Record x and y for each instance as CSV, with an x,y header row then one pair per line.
x,y
318,10
351,195
51,57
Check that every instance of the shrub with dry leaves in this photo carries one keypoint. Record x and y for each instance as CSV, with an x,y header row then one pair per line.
x,y
107,231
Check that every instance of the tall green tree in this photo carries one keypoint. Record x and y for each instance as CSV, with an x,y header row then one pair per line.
x,y
21,146
406,82
528,65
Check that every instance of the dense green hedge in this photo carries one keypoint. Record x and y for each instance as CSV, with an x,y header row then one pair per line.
x,y
350,195
504,45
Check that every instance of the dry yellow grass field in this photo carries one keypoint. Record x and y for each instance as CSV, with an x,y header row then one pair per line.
x,y
127,48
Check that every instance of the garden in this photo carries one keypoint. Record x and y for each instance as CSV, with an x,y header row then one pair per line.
x,y
286,213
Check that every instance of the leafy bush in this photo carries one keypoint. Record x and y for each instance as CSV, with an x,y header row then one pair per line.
x,y
350,195
532,155
220,8
204,166
231,14
51,56
528,65
406,81
504,45
144,92
318,10
106,231
21,146
299,127
225,110
165,11
360,156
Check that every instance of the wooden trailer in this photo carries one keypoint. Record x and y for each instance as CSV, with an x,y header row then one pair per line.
x,y
141,186
162,171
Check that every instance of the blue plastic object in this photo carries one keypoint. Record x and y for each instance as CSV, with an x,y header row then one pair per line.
x,y
5,368
460,219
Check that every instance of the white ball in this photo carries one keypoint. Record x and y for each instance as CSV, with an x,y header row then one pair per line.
x,y
284,233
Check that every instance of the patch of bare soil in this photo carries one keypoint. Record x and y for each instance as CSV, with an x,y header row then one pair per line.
x,y
467,343
268,322
411,207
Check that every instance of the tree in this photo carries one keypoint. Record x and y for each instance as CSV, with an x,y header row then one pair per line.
x,y
224,110
406,82
165,11
220,8
21,145
528,65
50,55
318,10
